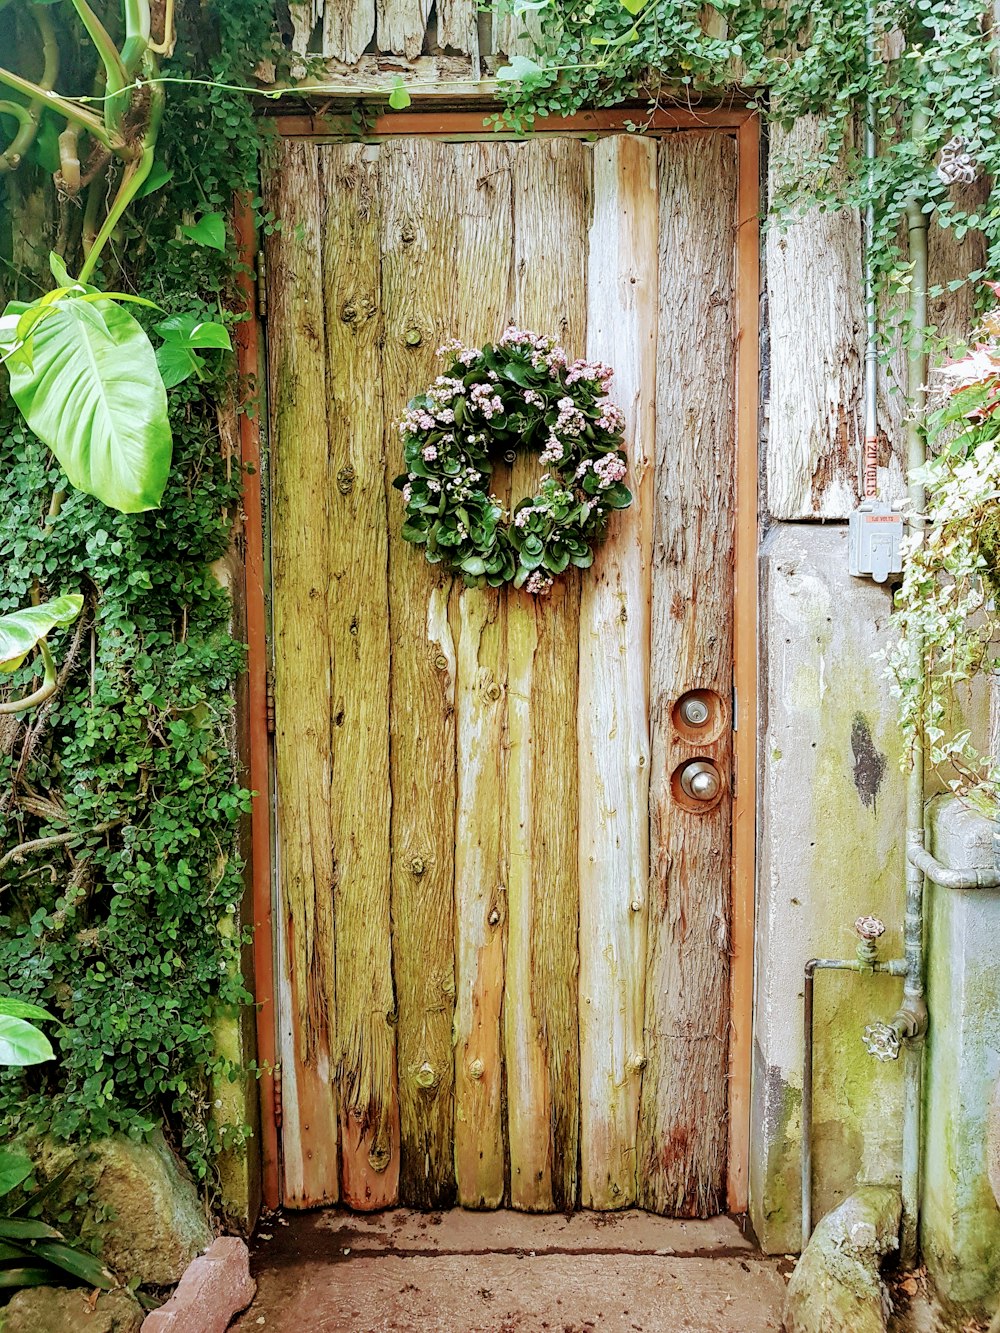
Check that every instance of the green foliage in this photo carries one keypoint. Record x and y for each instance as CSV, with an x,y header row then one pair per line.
x,y
21,1043
521,393
126,776
947,605
85,376
936,78
21,630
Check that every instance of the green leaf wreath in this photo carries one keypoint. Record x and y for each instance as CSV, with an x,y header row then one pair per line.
x,y
522,392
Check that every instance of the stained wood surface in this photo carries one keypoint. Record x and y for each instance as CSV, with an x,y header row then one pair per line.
x,y
297,354
551,187
356,546
613,722
817,332
682,1130
467,770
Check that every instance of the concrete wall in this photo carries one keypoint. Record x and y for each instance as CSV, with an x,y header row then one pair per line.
x,y
830,850
960,1221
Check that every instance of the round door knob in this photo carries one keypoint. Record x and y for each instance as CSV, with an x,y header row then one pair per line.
x,y
701,780
694,712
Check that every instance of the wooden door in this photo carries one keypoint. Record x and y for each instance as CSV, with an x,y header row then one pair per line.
x,y
504,927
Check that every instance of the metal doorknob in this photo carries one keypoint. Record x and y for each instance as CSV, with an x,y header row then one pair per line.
x,y
701,780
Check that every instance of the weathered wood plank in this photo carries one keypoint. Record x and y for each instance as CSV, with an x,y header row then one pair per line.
x,y
299,449
516,35
683,1121
401,25
358,638
458,28
613,718
817,331
348,27
446,242
551,195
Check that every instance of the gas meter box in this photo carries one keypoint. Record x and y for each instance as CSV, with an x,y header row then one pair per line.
x,y
875,534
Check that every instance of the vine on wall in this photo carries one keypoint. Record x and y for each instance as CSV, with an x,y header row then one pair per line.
x,y
120,799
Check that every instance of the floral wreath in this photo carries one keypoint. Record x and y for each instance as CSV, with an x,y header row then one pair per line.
x,y
520,392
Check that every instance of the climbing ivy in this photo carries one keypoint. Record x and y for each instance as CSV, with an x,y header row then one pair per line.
x,y
933,80
120,798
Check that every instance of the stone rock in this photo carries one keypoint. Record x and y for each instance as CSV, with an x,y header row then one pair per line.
x,y
216,1286
140,1202
836,1286
59,1310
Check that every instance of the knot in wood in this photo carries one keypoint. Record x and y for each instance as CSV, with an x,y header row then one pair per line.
x,y
345,480
477,1069
417,866
494,917
379,1156
425,1076
493,692
408,233
414,337
348,312
441,661
636,1062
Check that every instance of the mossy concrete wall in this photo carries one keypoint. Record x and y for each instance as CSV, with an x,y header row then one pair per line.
x,y
960,1220
831,823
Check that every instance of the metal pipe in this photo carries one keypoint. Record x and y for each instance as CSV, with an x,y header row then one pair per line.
x,y
869,478
895,967
931,868
913,1008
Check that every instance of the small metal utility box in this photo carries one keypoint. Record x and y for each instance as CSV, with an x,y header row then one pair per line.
x,y
876,533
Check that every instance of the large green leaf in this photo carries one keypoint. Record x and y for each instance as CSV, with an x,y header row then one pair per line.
x,y
13,1169
182,335
92,392
22,1009
21,630
21,1043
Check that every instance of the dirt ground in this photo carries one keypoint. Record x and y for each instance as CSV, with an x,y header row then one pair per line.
x,y
460,1272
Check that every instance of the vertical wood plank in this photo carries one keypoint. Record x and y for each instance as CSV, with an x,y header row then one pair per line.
x,y
299,450
683,1124
458,29
358,636
348,27
446,245
551,194
613,725
516,34
817,325
401,25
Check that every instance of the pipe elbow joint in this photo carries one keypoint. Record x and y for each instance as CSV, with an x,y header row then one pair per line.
x,y
910,1021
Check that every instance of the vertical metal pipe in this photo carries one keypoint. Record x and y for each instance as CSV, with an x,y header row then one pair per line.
x,y
869,479
913,985
807,1100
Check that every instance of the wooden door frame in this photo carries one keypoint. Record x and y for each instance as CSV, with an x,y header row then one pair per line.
x,y
256,741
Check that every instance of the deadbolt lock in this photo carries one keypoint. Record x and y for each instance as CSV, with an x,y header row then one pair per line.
x,y
694,711
701,780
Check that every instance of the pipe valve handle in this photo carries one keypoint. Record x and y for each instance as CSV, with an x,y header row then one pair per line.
x,y
869,927
882,1041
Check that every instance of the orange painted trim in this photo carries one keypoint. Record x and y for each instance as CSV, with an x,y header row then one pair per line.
x,y
745,663
249,363
433,123
746,125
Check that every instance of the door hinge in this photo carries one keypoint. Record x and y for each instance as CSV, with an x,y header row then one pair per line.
x,y
261,285
278,1103
269,700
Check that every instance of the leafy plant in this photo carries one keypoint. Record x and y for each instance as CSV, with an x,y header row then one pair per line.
x,y
21,631
951,580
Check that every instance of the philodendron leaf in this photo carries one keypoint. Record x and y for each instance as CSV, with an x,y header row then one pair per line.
x,y
158,176
21,630
94,395
182,334
209,230
21,1043
634,6
13,1170
22,1009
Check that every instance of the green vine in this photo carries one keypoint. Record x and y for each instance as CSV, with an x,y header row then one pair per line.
x,y
120,799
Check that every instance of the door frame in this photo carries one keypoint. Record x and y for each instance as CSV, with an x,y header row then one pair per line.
x,y
257,720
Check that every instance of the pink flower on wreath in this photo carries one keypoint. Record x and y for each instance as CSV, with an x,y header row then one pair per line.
x,y
537,583
610,469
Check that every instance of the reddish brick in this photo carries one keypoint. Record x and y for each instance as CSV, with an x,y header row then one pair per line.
x,y
215,1287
